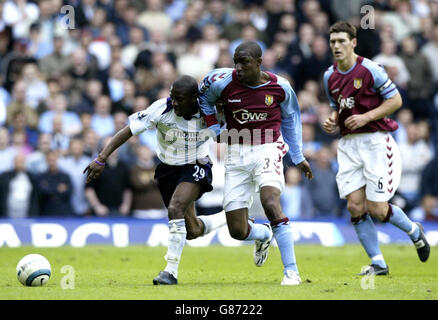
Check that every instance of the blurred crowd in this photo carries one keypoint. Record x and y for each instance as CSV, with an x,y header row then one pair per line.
x,y
73,71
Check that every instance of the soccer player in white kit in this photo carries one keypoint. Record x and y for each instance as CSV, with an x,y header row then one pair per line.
x,y
362,96
184,172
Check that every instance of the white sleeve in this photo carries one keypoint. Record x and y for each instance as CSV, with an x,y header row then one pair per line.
x,y
148,118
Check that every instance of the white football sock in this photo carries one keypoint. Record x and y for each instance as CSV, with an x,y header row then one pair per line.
x,y
177,240
213,221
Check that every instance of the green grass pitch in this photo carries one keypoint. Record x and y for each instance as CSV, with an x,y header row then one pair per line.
x,y
221,273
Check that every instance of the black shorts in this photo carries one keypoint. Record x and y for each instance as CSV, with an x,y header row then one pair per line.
x,y
169,177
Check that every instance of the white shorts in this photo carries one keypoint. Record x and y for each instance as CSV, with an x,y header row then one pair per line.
x,y
371,160
249,168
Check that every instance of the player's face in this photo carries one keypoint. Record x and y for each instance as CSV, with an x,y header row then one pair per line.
x,y
341,45
247,67
182,102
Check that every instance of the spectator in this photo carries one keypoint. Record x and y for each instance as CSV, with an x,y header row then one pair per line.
x,y
146,198
117,75
57,63
73,164
114,201
7,152
154,18
217,14
19,104
404,118
427,211
126,104
54,189
323,186
420,82
310,146
70,122
389,59
430,50
60,140
248,33
20,144
415,155
209,45
131,50
37,90
94,89
300,49
91,143
20,124
127,151
36,162
403,20
18,193
19,15
102,121
296,201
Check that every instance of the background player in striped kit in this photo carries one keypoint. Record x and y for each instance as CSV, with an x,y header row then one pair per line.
x,y
362,96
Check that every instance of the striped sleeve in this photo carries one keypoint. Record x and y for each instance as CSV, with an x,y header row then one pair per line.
x,y
382,83
327,76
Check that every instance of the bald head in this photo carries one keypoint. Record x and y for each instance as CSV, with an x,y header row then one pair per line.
x,y
184,94
250,47
187,85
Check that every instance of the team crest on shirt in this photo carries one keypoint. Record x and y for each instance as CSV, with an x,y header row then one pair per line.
x,y
269,99
357,83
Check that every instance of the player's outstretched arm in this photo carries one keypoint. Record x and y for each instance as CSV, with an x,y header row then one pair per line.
x,y
95,167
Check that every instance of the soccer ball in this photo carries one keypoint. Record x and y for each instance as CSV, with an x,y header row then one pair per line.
x,y
33,270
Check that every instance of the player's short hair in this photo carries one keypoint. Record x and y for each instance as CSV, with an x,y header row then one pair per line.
x,y
186,84
252,47
344,26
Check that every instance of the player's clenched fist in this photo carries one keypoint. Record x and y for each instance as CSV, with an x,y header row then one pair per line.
x,y
331,123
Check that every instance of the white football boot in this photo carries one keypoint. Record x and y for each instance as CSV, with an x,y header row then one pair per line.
x,y
291,278
261,248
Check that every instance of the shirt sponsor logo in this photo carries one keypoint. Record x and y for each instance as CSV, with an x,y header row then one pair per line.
x,y
234,100
346,103
243,116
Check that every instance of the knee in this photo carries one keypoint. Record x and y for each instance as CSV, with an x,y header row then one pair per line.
x,y
175,210
238,232
272,207
379,211
356,208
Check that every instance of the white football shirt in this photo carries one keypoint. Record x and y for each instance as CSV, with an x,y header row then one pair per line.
x,y
180,141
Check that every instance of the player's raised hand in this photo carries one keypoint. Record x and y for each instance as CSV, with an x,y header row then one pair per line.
x,y
94,169
304,166
356,121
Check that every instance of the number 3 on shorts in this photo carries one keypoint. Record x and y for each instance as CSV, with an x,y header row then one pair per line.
x,y
199,173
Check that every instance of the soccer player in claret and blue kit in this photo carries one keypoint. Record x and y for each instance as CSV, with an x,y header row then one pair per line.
x,y
362,97
263,126
184,172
